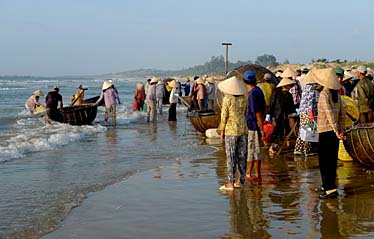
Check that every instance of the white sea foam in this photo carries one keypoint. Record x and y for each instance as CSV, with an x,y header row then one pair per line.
x,y
42,138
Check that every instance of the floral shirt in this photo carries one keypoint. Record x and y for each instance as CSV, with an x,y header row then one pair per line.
x,y
309,99
233,112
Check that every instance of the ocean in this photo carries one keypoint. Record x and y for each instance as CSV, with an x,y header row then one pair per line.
x,y
46,170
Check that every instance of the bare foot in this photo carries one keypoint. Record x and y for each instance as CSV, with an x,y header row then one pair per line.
x,y
227,187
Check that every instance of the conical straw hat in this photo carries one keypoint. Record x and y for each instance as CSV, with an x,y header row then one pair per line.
x,y
37,93
233,86
288,72
285,81
155,80
106,85
199,81
308,79
139,85
327,78
173,84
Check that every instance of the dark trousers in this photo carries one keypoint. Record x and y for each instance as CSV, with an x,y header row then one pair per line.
x,y
328,147
173,112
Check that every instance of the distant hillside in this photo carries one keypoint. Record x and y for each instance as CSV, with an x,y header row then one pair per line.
x,y
215,66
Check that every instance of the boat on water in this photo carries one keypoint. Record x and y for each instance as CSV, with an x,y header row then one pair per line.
x,y
77,115
360,144
203,120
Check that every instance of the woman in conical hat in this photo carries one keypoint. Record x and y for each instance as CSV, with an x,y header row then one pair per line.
x,y
233,129
173,99
110,96
330,126
308,108
139,97
281,106
33,101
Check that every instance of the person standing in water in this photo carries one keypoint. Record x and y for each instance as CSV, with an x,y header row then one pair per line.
x,y
110,96
233,129
330,125
33,101
78,97
254,119
173,99
52,100
160,93
151,100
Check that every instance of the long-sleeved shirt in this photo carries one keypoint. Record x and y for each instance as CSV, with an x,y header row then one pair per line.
x,y
110,97
331,115
267,88
309,100
211,91
361,94
233,113
32,102
151,93
160,91
173,98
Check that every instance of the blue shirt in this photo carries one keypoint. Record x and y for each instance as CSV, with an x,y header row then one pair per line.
x,y
256,103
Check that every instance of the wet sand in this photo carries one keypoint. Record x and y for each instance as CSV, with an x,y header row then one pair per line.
x,y
182,200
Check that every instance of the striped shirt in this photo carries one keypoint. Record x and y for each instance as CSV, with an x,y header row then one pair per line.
x,y
331,115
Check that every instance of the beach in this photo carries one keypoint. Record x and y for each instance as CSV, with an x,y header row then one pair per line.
x,y
156,180
182,200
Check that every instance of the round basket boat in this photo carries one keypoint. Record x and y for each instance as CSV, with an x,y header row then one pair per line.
x,y
360,144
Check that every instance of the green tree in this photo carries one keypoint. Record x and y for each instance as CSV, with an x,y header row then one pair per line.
x,y
266,60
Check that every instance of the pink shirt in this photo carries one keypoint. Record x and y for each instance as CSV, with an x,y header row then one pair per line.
x,y
31,102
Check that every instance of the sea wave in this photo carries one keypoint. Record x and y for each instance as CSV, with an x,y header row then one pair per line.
x,y
42,138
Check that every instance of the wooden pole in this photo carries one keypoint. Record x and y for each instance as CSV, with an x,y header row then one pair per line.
x,y
227,44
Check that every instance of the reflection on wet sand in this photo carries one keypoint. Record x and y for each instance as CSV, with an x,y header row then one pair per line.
x,y
246,214
288,207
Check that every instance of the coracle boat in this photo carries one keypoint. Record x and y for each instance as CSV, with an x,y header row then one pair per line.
x,y
77,115
203,120
360,144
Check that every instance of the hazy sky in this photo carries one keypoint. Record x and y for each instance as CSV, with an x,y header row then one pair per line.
x,y
74,37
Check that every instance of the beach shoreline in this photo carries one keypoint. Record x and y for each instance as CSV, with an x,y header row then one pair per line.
x,y
182,200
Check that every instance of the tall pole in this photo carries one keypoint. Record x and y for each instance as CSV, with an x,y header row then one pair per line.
x,y
227,44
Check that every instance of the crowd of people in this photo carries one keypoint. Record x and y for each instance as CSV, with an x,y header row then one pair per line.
x,y
157,92
312,97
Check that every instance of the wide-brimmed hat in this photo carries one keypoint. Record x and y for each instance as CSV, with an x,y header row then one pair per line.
x,y
285,81
154,80
173,84
37,93
339,71
106,85
139,85
199,81
288,73
348,75
327,78
362,69
233,86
